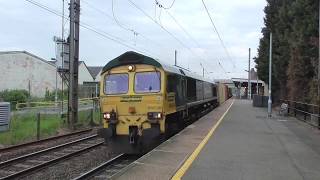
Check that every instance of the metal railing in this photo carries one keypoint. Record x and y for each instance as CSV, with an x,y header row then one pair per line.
x,y
308,113
52,104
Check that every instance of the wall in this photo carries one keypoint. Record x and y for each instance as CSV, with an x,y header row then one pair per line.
x,y
18,69
84,74
98,77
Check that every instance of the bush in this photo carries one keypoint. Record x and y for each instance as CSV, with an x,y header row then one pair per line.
x,y
14,96
50,95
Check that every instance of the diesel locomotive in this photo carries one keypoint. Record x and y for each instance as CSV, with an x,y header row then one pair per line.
x,y
142,100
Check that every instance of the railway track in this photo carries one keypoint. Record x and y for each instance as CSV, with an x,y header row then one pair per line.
x,y
112,167
109,168
14,147
26,164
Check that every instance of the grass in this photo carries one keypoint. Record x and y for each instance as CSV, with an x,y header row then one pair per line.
x,y
85,117
23,127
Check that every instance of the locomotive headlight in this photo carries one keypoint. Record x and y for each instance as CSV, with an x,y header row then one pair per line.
x,y
110,116
131,68
106,115
154,115
158,115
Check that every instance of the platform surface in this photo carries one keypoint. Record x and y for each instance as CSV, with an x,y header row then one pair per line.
x,y
245,146
248,145
162,162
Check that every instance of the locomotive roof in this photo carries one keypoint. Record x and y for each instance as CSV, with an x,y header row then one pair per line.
x,y
132,57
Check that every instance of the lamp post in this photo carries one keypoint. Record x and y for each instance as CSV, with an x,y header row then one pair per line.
x,y
270,78
257,83
249,82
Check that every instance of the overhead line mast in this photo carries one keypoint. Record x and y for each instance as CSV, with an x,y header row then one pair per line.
x,y
74,61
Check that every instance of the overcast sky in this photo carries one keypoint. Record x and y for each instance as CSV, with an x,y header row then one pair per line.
x,y
25,26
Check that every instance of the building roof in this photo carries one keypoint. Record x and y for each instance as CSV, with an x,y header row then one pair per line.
x,y
224,81
95,70
244,80
52,63
27,53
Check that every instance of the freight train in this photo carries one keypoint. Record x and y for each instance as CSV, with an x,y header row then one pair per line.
x,y
143,100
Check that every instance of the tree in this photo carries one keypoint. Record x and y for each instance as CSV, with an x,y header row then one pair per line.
x,y
294,27
304,53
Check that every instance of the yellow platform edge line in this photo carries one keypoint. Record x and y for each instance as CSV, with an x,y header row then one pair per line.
x,y
178,175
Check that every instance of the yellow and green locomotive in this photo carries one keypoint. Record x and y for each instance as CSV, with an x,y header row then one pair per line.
x,y
142,99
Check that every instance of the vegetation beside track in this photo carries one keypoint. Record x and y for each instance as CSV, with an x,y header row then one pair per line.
x,y
23,126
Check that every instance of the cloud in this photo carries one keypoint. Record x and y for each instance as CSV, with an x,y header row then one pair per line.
x,y
239,23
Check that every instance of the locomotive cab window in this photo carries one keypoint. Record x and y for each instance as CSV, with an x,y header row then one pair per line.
x,y
147,82
116,84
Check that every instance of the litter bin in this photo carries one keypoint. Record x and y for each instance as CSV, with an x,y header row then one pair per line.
x,y
260,101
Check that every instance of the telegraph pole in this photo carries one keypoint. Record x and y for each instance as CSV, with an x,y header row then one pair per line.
x,y
270,77
62,55
249,82
74,61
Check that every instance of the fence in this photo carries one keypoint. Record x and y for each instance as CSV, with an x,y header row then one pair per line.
x,y
88,90
37,122
308,113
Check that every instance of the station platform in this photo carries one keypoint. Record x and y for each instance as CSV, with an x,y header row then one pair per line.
x,y
235,141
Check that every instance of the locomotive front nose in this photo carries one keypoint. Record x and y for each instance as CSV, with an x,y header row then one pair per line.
x,y
132,110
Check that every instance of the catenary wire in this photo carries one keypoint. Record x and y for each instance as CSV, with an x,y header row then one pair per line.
x,y
169,7
163,28
216,30
186,32
114,19
90,28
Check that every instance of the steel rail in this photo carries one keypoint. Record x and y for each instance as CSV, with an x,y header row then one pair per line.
x,y
47,163
99,168
13,160
43,140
